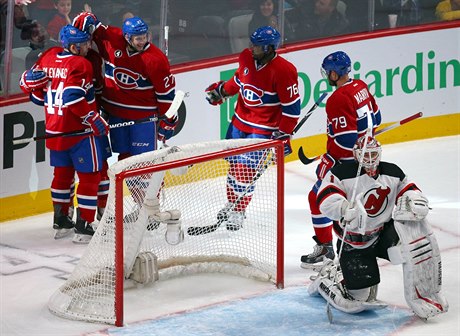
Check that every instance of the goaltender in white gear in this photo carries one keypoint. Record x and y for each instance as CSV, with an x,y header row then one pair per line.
x,y
387,221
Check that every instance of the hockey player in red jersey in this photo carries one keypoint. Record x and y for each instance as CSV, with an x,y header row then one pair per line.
x,y
138,83
378,212
268,107
62,81
347,110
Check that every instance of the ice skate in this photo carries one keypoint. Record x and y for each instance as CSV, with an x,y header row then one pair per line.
x,y
63,226
83,232
319,254
232,219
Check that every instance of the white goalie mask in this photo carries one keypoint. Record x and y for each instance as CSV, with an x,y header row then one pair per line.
x,y
372,154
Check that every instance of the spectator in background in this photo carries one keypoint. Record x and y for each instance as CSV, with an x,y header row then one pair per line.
x,y
42,10
266,14
39,40
448,10
19,18
60,19
323,20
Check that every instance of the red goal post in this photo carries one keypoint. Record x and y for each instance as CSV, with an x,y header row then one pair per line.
x,y
193,181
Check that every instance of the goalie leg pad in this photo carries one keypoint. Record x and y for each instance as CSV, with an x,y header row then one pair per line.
x,y
419,254
145,269
336,295
328,284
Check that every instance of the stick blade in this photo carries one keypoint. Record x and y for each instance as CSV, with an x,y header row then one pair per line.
x,y
303,158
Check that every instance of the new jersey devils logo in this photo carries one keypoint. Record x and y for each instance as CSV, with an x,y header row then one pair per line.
x,y
252,96
125,78
376,201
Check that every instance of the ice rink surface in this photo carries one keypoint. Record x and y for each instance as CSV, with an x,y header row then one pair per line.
x,y
33,265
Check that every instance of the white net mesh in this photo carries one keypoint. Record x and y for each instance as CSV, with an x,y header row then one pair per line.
x,y
209,245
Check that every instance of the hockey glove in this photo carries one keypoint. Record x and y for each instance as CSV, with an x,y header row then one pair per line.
x,y
411,206
98,125
327,162
33,79
86,22
355,217
215,93
167,127
286,138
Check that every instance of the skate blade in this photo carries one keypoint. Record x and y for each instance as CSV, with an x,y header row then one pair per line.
x,y
313,267
81,238
62,233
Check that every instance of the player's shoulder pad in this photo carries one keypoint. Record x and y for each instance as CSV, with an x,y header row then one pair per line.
x,y
391,169
346,170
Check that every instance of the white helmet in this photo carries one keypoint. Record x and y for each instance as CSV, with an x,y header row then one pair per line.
x,y
372,154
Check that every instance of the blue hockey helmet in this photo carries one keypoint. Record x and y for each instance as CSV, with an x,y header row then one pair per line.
x,y
134,26
266,36
70,35
338,61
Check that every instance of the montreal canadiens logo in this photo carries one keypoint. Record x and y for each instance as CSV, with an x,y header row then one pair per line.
x,y
252,96
376,201
125,78
118,53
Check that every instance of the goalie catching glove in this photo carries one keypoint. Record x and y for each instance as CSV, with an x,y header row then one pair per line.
x,y
215,93
33,79
98,125
411,206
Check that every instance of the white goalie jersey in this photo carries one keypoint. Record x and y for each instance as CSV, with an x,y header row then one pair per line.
x,y
378,195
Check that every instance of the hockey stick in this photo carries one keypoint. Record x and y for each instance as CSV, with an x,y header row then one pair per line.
x,y
309,113
305,160
199,230
172,111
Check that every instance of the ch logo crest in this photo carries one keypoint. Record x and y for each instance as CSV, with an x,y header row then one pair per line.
x,y
125,78
252,96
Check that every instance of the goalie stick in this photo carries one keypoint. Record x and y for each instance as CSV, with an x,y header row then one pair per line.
x,y
199,230
172,111
305,160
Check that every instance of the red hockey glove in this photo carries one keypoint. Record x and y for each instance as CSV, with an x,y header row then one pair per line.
x,y
33,79
327,162
98,125
86,22
215,93
167,127
286,138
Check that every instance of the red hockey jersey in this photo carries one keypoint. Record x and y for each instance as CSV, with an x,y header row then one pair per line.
x,y
68,97
347,110
137,85
268,97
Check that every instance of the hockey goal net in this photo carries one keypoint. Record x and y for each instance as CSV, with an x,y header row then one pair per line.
x,y
192,180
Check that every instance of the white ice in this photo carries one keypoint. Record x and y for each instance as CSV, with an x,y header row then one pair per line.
x,y
33,265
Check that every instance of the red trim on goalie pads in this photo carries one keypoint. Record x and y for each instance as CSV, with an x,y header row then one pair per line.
x,y
321,224
62,187
241,175
87,194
